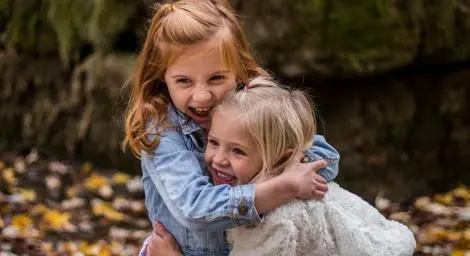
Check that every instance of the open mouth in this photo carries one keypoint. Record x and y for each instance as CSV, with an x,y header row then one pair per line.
x,y
220,177
200,112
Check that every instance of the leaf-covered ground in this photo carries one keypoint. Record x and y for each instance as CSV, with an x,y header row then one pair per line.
x,y
54,208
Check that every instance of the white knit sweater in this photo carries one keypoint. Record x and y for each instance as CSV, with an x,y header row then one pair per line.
x,y
339,224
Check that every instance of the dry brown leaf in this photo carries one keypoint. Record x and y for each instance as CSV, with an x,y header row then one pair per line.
x,y
9,176
403,217
53,182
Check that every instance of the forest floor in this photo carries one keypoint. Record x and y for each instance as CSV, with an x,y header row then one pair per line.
x,y
56,208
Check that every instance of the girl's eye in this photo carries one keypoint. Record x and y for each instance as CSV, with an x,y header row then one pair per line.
x,y
212,142
183,81
238,151
217,78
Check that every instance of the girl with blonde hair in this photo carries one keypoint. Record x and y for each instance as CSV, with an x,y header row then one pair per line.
x,y
193,55
241,146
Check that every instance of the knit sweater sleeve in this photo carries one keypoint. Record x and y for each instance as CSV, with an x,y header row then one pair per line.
x,y
280,233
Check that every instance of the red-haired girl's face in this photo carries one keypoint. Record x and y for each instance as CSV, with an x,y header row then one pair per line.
x,y
198,80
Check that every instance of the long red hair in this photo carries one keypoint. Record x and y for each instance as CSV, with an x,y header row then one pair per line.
x,y
174,26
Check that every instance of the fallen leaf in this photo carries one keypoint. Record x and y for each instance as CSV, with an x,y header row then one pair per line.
x,y
9,176
74,190
86,169
106,191
121,178
28,195
104,209
53,182
55,220
96,181
58,167
135,185
22,222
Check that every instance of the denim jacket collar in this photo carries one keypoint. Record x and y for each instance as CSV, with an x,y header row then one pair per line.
x,y
187,125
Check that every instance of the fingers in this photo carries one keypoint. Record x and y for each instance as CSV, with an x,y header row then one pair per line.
x,y
319,164
161,231
155,243
321,187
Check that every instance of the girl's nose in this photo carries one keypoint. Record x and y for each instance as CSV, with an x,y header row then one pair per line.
x,y
202,96
220,158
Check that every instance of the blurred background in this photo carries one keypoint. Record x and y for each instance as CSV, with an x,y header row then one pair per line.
x,y
390,78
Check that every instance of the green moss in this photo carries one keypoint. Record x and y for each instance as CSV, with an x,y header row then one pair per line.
x,y
3,5
69,18
108,18
361,36
26,29
95,21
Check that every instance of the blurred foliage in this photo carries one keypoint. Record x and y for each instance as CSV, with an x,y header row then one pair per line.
x,y
61,209
38,27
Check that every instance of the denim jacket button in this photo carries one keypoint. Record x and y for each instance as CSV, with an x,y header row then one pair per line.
x,y
243,208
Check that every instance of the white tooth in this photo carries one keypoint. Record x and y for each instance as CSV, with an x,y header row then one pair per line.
x,y
223,175
202,109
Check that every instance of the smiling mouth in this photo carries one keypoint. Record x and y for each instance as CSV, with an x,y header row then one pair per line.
x,y
200,112
222,178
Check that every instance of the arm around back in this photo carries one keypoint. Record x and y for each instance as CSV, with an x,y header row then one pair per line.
x,y
176,173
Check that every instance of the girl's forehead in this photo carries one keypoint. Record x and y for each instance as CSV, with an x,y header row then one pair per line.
x,y
205,54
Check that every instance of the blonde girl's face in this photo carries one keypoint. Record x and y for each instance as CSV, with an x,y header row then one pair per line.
x,y
198,80
231,154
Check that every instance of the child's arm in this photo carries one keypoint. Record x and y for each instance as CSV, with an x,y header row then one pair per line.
x,y
197,204
321,150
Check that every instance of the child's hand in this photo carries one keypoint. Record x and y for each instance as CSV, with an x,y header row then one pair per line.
x,y
162,243
304,180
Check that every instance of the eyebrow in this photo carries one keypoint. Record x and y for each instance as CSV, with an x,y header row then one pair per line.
x,y
185,76
232,144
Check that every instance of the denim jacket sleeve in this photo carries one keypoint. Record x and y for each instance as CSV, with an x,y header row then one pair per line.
x,y
321,150
193,201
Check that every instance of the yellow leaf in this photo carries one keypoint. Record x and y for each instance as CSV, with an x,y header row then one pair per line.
x,y
462,192
83,246
54,219
46,246
101,208
96,181
445,199
458,253
73,191
121,178
38,209
87,168
101,248
9,176
105,250
27,194
22,222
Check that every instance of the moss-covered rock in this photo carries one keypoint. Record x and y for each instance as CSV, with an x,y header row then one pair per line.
x,y
26,27
77,116
63,64
350,38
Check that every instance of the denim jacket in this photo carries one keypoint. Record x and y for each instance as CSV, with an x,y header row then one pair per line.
x,y
179,194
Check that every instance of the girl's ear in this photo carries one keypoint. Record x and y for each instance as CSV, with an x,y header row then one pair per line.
x,y
287,153
284,157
